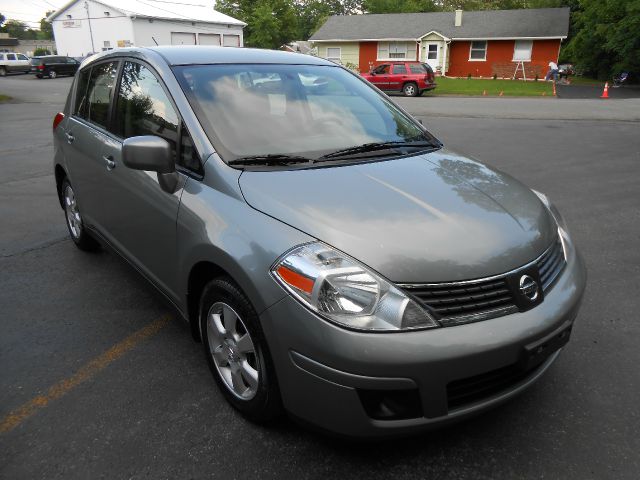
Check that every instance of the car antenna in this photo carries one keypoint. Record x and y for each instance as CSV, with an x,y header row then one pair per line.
x,y
154,41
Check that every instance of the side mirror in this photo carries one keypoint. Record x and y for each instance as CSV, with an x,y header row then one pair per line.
x,y
151,153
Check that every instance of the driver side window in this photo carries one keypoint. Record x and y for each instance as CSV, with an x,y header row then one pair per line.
x,y
382,69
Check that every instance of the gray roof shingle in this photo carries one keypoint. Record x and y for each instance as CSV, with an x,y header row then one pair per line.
x,y
541,22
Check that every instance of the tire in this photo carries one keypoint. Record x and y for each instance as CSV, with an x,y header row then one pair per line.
x,y
52,74
237,352
3,72
77,231
410,89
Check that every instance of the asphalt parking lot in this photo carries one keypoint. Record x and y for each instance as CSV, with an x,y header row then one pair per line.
x,y
100,380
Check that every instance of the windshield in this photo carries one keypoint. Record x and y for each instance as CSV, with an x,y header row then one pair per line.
x,y
305,111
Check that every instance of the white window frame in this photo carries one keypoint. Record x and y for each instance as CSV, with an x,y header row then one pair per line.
x,y
486,46
333,58
515,49
388,47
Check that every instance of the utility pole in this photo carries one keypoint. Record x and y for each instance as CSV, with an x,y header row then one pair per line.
x,y
86,6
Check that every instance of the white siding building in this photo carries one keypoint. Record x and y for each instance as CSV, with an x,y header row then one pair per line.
x,y
85,26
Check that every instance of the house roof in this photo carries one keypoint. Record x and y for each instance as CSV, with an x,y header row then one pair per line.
x,y
186,10
484,24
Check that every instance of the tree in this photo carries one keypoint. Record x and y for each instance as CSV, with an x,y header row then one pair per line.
x,y
15,28
270,23
45,27
607,39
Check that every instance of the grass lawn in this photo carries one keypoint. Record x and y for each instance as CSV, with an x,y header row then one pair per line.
x,y
474,86
4,98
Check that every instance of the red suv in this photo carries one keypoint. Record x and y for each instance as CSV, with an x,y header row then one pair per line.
x,y
410,78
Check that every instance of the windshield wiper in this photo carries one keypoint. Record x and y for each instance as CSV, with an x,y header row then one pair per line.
x,y
372,147
270,160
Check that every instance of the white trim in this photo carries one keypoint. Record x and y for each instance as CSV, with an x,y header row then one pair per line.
x,y
433,31
437,33
486,47
507,38
367,40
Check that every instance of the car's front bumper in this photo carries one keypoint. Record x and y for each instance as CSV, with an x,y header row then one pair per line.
x,y
323,369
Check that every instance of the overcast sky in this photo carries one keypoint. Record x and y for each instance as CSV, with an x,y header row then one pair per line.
x,y
29,11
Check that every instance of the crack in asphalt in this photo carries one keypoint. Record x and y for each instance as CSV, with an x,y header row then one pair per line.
x,y
40,246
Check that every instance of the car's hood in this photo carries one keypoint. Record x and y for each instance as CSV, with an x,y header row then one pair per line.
x,y
429,218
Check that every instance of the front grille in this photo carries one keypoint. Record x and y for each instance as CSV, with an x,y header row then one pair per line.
x,y
550,264
472,389
456,303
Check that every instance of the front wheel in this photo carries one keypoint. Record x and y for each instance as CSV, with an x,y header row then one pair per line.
x,y
237,352
53,74
410,90
76,228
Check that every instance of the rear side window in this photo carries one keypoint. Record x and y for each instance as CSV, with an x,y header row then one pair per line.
x,y
417,68
11,56
81,93
143,107
95,107
399,69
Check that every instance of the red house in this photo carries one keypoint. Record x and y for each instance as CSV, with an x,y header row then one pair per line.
x,y
480,43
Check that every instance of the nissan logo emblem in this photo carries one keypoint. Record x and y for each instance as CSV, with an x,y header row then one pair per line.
x,y
528,287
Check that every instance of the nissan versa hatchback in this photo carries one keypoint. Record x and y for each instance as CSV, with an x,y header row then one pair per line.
x,y
335,260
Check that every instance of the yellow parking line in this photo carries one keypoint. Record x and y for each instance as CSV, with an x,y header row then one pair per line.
x,y
61,388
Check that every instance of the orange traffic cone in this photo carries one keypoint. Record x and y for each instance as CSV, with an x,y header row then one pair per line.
x,y
605,92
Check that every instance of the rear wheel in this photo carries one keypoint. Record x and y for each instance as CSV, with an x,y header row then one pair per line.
x,y
410,89
76,228
3,71
237,351
52,74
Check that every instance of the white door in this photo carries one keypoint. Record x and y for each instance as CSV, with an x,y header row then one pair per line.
x,y
231,40
183,38
209,39
432,54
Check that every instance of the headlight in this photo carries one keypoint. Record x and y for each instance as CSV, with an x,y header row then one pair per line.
x,y
345,292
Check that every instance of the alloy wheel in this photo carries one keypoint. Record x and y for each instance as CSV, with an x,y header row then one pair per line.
x,y
73,214
409,90
232,350
53,74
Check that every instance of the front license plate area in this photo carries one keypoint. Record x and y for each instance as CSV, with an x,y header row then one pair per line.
x,y
537,352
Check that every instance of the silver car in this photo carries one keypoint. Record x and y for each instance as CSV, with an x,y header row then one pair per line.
x,y
335,260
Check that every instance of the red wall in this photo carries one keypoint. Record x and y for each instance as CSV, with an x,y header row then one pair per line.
x,y
499,58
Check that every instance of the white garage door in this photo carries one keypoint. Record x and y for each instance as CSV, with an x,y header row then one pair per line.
x,y
182,38
209,39
232,40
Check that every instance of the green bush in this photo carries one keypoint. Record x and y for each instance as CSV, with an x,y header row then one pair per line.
x,y
38,52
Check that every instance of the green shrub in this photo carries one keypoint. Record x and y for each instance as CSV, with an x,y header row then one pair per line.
x,y
352,66
38,52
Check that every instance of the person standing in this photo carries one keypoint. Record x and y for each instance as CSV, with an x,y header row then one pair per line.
x,y
553,71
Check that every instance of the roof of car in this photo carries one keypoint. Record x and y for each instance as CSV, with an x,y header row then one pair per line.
x,y
200,54
484,24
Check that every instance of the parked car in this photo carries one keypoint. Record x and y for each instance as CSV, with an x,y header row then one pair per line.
x,y
53,65
410,78
332,256
13,62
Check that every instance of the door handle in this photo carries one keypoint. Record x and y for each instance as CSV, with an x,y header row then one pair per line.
x,y
109,161
70,138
